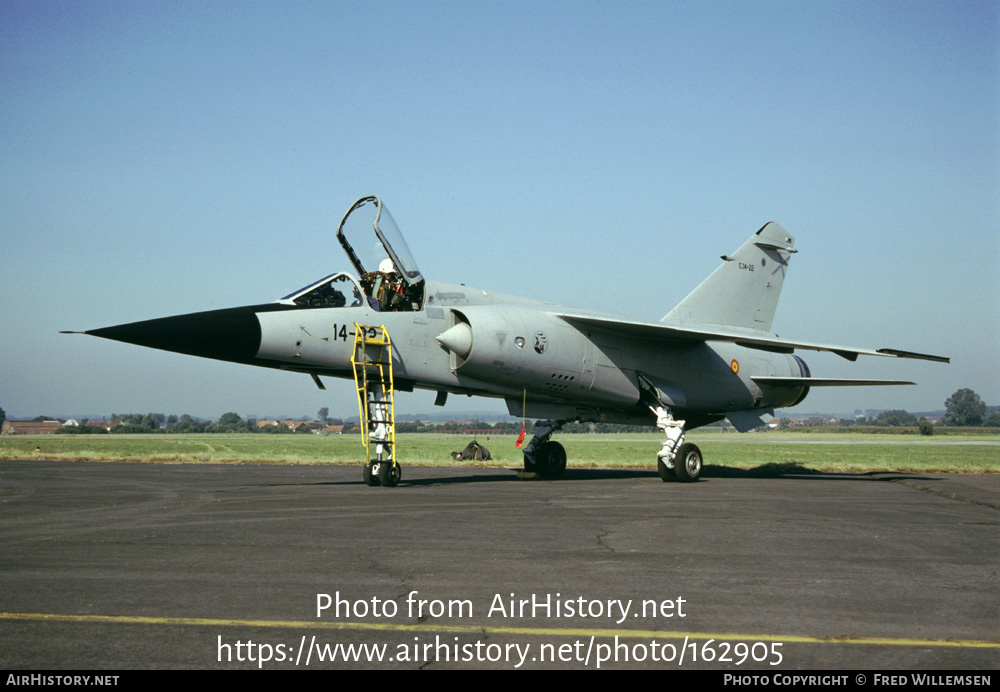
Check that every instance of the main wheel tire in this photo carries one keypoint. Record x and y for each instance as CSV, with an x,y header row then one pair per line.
x,y
530,465
666,474
389,474
688,463
550,460
370,473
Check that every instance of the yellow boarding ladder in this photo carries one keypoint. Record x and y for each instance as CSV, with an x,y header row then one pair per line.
x,y
372,361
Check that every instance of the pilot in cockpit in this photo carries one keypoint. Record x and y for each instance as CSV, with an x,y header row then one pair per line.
x,y
384,287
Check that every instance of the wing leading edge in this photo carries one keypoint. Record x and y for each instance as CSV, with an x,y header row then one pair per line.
x,y
748,338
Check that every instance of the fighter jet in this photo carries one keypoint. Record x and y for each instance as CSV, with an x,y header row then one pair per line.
x,y
711,357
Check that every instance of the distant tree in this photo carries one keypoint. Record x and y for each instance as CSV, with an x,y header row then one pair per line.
x,y
41,419
994,420
154,421
187,424
896,417
127,418
130,429
324,414
230,422
3,417
964,407
84,430
926,427
87,429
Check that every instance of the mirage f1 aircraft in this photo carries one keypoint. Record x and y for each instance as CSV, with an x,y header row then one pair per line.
x,y
711,357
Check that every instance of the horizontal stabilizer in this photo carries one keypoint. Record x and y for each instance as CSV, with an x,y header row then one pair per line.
x,y
822,382
760,340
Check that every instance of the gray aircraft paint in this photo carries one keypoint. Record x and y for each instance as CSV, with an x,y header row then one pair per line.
x,y
709,358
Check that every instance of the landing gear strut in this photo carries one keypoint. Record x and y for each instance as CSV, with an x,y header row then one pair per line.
x,y
543,456
676,460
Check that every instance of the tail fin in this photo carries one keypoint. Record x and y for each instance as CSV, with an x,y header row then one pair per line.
x,y
744,291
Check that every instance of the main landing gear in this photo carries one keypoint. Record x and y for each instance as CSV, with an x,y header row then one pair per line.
x,y
542,456
677,459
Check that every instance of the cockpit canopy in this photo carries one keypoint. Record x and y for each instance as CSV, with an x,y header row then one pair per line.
x,y
370,235
334,291
389,278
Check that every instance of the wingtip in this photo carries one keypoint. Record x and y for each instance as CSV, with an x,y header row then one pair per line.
x,y
917,356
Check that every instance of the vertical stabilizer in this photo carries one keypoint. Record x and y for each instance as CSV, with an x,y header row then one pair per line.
x,y
744,291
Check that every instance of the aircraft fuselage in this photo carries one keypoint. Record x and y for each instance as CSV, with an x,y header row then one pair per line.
x,y
519,350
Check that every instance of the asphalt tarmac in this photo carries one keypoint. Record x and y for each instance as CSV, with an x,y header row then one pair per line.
x,y
108,567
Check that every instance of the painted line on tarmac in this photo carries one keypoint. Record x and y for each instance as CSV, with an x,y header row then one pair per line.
x,y
489,629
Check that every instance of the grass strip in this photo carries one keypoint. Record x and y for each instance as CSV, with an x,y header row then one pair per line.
x,y
771,453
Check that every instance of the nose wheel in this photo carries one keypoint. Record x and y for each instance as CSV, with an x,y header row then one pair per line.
x,y
384,473
389,474
370,474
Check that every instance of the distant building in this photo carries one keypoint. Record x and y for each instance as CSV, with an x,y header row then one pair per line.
x,y
16,427
289,423
106,424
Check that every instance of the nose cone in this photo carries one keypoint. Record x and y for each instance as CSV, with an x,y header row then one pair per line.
x,y
232,334
458,340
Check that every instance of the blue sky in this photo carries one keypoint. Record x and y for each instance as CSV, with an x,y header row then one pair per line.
x,y
163,158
